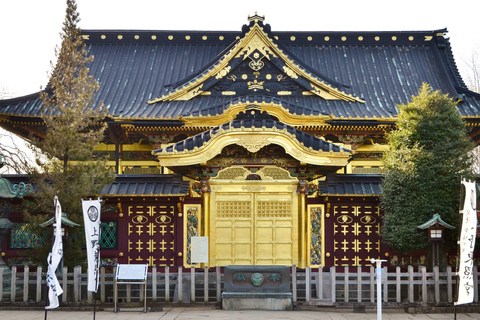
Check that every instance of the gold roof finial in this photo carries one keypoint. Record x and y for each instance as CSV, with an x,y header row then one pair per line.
x,y
256,18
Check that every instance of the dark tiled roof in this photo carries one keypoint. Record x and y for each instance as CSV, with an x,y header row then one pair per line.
x,y
351,184
256,121
146,185
132,185
382,68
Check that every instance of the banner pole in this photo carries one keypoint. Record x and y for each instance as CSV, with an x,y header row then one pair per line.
x,y
94,304
457,261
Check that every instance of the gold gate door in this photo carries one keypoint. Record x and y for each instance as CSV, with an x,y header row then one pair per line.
x,y
254,222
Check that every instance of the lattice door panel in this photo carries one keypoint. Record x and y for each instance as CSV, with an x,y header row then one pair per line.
x,y
273,230
234,230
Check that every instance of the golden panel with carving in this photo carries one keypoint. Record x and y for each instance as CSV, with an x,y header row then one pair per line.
x,y
274,209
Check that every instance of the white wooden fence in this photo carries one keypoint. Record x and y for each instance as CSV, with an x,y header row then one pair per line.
x,y
309,286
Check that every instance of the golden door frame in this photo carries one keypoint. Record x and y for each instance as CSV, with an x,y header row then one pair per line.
x,y
253,222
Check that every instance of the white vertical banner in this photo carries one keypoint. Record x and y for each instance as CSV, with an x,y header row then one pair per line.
x,y
54,258
467,244
91,218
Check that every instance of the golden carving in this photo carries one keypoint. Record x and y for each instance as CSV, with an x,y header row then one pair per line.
x,y
139,219
255,42
253,188
368,219
368,244
151,245
274,109
284,93
255,85
253,143
344,219
274,209
290,72
256,65
223,72
229,93
356,245
151,229
163,219
231,209
356,229
261,137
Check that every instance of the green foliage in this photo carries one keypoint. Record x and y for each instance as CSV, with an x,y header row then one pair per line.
x,y
429,153
66,165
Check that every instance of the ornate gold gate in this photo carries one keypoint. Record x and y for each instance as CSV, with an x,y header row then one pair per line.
x,y
253,222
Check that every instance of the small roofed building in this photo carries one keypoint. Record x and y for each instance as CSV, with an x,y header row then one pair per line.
x,y
268,143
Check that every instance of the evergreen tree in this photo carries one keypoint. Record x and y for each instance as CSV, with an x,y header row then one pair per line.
x,y
429,152
74,128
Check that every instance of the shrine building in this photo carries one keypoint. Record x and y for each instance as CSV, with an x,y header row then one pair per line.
x,y
268,143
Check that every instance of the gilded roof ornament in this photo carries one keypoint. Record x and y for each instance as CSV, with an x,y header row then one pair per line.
x,y
256,18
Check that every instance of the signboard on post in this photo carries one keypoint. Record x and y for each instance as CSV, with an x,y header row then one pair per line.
x,y
131,274
199,249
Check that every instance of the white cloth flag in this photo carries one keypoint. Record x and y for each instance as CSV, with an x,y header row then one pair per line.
x,y
91,218
54,258
467,244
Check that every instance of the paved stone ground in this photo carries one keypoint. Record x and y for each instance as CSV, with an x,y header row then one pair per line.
x,y
210,313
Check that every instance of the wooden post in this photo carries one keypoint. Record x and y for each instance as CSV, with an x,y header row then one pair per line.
x,y
25,283
180,284
219,284
75,285
385,285
411,296
346,282
115,290
398,285
102,284
39,285
449,284
359,284
192,284
129,292
205,284
436,276
424,284
475,284
64,285
307,285
372,284
294,283
13,284
333,283
1,284
167,284
154,284
320,283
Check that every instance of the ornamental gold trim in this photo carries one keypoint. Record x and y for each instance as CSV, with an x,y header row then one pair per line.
x,y
271,108
253,139
256,40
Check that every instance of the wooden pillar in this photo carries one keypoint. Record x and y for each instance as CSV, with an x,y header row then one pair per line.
x,y
302,228
206,212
